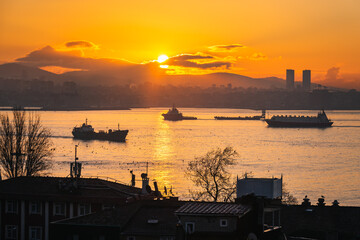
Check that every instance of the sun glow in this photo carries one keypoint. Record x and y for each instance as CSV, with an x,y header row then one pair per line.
x,y
162,58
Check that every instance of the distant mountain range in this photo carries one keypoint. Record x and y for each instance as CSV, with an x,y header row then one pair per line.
x,y
222,78
19,71
135,74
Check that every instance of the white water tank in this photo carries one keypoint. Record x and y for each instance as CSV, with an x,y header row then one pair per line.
x,y
261,187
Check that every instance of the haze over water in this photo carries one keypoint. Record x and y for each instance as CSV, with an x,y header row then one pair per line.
x,y
314,162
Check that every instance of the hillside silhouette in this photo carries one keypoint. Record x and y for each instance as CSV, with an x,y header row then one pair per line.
x,y
136,74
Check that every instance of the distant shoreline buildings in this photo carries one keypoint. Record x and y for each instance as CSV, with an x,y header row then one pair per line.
x,y
306,80
290,77
35,90
306,83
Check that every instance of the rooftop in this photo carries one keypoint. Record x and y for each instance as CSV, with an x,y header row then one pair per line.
x,y
61,188
155,217
213,208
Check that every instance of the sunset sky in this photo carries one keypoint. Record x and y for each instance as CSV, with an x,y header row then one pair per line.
x,y
258,38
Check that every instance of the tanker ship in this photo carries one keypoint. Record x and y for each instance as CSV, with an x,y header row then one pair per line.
x,y
86,132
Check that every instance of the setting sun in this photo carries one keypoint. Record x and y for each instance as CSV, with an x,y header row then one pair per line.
x,y
162,58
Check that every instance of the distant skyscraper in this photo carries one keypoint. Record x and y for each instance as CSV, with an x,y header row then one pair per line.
x,y
289,79
306,80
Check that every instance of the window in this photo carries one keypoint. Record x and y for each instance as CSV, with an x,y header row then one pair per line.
x,y
35,208
189,227
223,223
35,233
152,221
11,232
59,209
84,209
107,206
11,207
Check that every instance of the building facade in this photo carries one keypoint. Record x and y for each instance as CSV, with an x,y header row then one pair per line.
x,y
306,83
290,78
29,204
139,220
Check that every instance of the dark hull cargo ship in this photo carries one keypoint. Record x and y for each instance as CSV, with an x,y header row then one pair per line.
x,y
86,132
319,121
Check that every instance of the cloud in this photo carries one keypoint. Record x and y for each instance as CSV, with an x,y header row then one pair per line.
x,y
81,44
185,57
225,48
48,56
196,61
346,80
332,77
257,56
332,74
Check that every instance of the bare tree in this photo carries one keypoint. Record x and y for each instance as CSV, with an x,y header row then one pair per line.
x,y
210,174
25,146
287,197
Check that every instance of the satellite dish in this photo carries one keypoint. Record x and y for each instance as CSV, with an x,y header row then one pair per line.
x,y
148,189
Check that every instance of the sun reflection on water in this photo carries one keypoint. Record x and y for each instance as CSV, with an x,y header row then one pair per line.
x,y
162,154
163,147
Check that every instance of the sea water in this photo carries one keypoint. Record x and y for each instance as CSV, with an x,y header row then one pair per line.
x,y
313,161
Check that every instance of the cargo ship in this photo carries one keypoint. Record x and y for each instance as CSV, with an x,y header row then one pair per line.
x,y
319,121
260,117
87,132
174,115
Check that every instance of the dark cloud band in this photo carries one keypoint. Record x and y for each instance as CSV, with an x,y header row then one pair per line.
x,y
225,48
80,44
188,60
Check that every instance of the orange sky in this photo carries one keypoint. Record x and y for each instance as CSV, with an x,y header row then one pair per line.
x,y
273,35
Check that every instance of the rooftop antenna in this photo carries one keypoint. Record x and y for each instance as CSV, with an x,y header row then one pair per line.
x,y
75,167
85,124
76,158
147,167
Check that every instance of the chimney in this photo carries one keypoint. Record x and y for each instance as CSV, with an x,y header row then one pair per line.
x,y
306,202
157,193
132,178
321,201
145,183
